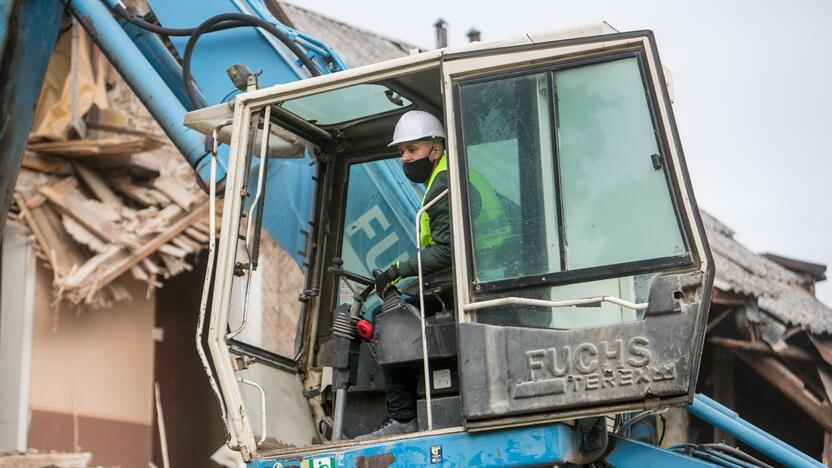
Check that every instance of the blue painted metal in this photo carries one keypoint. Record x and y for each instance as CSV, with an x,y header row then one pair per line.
x,y
721,460
379,217
318,51
29,35
140,75
719,416
290,185
632,453
527,446
161,59
218,50
5,14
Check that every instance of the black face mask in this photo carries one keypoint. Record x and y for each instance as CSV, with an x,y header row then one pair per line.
x,y
419,170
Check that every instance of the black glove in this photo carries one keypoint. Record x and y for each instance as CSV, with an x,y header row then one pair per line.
x,y
386,280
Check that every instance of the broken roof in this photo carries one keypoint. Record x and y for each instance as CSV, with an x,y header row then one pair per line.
x,y
776,290
355,46
816,271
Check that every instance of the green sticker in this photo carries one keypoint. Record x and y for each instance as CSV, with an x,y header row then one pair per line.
x,y
322,462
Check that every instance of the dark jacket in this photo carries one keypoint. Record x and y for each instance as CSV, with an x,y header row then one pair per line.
x,y
439,254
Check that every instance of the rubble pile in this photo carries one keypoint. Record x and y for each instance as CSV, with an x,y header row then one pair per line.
x,y
94,223
101,189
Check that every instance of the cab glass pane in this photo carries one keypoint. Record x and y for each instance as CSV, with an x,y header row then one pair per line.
x,y
343,105
376,231
605,173
510,167
617,206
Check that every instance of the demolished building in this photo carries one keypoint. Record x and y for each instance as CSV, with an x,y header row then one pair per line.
x,y
112,211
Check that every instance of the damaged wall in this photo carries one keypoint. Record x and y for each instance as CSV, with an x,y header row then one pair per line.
x,y
91,377
112,211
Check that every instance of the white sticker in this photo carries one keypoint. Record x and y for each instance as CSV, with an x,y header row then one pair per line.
x,y
441,379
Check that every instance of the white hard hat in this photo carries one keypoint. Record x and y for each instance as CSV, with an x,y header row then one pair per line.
x,y
417,125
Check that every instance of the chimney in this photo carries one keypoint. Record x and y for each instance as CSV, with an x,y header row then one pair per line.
x,y
441,33
474,35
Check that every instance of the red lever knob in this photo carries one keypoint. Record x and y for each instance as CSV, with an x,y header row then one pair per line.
x,y
364,328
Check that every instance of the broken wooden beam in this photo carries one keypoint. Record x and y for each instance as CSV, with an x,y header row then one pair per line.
x,y
758,347
47,164
114,271
60,251
144,195
98,187
179,194
97,217
100,147
784,380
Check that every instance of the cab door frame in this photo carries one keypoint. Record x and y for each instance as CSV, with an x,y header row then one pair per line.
x,y
244,106
476,64
486,62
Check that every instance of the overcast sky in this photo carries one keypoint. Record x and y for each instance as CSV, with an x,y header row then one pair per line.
x,y
753,95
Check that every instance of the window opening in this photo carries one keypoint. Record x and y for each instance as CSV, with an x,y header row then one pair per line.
x,y
566,167
353,102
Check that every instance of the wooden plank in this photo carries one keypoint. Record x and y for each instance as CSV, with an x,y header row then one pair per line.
x,y
197,235
148,248
98,187
170,212
759,347
173,264
723,385
174,190
727,298
179,241
95,216
55,243
173,250
150,266
784,380
144,195
35,201
47,164
824,346
83,274
83,236
139,273
102,147
719,318
184,242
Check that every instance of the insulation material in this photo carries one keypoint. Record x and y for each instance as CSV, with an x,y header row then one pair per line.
x,y
53,115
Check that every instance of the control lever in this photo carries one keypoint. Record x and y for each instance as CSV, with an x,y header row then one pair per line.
x,y
355,277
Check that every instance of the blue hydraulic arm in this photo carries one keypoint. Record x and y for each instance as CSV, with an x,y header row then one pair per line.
x,y
156,77
729,421
28,31
140,75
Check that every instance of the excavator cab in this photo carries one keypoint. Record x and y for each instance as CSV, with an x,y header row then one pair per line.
x,y
586,296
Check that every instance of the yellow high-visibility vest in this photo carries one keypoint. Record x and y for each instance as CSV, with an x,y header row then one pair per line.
x,y
491,227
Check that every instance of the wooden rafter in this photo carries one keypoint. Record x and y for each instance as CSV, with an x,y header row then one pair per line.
x,y
784,380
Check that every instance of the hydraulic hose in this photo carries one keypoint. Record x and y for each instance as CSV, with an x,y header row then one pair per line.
x,y
217,23
239,17
155,28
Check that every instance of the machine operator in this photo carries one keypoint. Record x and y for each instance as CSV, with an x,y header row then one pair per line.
x,y
420,138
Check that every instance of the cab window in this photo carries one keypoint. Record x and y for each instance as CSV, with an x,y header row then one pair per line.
x,y
566,182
